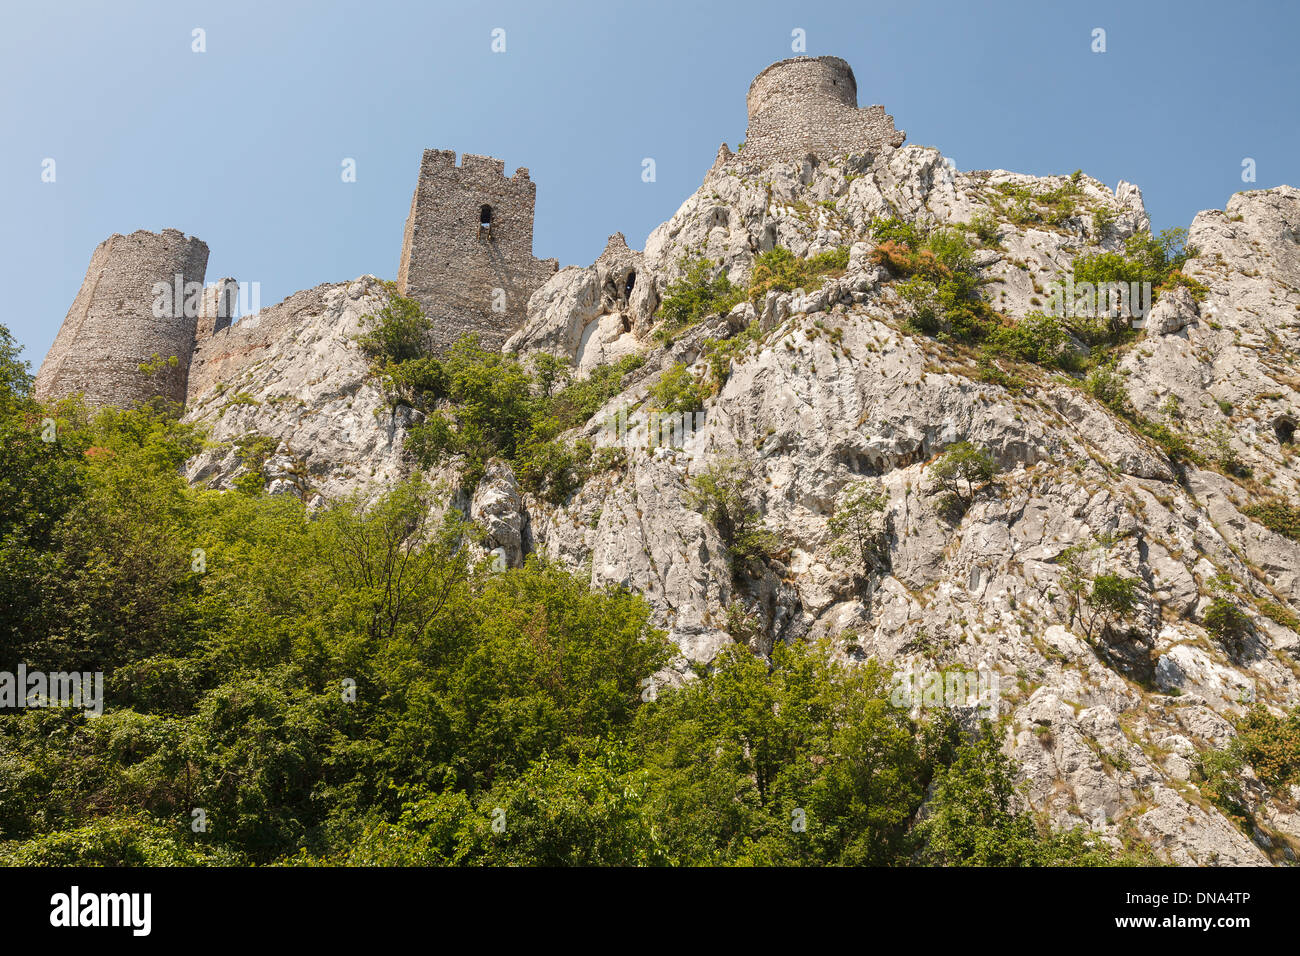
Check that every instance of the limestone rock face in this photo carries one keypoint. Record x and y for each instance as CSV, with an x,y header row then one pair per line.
x,y
587,316
294,374
810,412
833,389
1223,369
497,508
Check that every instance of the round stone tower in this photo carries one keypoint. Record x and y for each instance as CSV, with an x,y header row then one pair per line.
x,y
802,85
809,105
138,301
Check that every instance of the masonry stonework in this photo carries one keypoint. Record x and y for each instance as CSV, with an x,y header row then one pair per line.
x,y
810,105
226,350
467,251
467,256
111,328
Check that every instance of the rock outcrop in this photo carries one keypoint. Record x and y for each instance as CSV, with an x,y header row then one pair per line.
x,y
834,389
293,376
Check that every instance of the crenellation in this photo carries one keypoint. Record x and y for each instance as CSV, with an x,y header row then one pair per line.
x,y
466,256
485,166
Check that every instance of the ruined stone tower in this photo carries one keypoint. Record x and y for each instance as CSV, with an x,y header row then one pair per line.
x,y
467,252
810,105
111,328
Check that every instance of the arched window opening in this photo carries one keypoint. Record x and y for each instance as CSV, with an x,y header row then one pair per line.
x,y
485,221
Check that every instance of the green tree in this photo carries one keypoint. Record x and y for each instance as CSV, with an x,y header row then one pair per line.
x,y
856,527
397,332
802,761
724,493
961,469
1111,598
676,393
973,819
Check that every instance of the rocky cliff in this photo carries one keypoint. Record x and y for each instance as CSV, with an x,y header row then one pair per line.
x,y
835,386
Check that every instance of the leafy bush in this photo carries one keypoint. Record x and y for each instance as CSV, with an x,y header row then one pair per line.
x,y
1226,622
1277,515
963,465
1271,745
489,409
984,226
398,332
898,231
942,284
780,270
484,404
253,450
677,392
1145,259
1036,338
724,494
695,296
553,468
1103,220
119,840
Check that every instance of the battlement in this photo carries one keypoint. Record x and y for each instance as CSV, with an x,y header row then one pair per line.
x,y
121,319
467,249
442,163
810,105
467,253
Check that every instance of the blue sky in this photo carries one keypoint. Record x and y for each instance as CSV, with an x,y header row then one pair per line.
x,y
242,145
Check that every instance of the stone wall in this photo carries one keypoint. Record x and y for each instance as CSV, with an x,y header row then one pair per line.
x,y
111,328
223,354
810,105
220,302
467,277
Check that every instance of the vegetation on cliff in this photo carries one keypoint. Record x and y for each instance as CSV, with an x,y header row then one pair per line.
x,y
350,687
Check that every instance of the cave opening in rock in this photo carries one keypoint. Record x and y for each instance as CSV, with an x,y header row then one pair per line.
x,y
1284,429
628,285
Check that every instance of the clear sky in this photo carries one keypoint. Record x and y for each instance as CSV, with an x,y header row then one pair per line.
x,y
243,145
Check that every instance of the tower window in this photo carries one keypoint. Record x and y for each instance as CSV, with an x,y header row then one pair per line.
x,y
485,216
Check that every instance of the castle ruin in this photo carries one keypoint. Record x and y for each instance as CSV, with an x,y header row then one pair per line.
x,y
467,251
466,257
114,327
810,105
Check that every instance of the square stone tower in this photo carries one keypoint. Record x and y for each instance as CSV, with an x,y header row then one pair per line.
x,y
467,252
